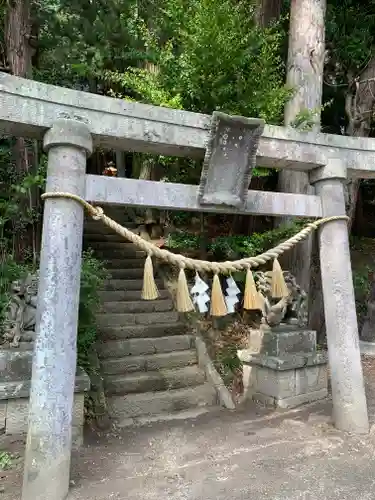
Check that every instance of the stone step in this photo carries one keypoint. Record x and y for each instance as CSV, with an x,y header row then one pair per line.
x,y
189,414
101,230
126,263
149,362
126,295
142,331
127,285
128,250
124,319
138,306
103,237
97,226
116,210
126,273
112,245
138,347
160,402
164,380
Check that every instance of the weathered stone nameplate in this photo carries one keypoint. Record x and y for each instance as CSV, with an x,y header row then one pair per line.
x,y
229,160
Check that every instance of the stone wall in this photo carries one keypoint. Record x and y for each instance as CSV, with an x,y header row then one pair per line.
x,y
14,415
15,381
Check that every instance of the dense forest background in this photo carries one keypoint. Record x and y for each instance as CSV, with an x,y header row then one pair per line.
x,y
197,55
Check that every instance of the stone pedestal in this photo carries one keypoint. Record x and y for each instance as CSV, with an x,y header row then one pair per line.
x,y
15,376
282,368
367,348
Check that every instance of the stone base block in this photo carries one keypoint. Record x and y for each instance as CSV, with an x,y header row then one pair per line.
x,y
14,415
285,382
278,341
367,348
291,402
15,382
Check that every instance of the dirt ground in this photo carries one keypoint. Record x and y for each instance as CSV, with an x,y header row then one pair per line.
x,y
253,452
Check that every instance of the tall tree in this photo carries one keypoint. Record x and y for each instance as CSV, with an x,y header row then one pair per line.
x,y
359,107
351,69
350,83
17,37
268,11
360,104
19,53
305,75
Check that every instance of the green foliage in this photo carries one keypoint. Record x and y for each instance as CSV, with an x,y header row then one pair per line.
x,y
195,55
78,40
205,56
93,274
183,241
362,251
350,37
362,286
6,460
213,57
146,87
227,363
307,118
237,246
17,209
350,28
12,206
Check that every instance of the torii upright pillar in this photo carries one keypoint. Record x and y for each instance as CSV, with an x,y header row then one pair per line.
x,y
49,438
348,391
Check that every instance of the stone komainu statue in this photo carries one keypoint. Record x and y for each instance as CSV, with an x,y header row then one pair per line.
x,y
292,310
20,316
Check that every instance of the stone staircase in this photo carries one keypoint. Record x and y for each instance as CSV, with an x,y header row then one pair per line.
x,y
148,358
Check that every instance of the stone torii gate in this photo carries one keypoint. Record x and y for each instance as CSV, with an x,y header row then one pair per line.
x,y
71,124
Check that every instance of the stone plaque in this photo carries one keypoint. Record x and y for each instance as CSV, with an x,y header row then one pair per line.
x,y
229,160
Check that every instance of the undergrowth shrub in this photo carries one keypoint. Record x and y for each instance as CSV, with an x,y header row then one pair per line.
x,y
93,274
234,246
362,286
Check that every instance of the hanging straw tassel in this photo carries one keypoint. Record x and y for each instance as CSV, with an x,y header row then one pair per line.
x,y
150,290
278,285
218,305
184,302
251,300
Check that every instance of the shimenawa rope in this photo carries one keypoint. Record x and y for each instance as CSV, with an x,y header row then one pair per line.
x,y
184,302
227,267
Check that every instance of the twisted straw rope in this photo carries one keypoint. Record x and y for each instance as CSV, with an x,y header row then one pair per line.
x,y
227,267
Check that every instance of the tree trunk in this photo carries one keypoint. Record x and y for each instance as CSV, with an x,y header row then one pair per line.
x,y
360,226
17,35
359,108
268,11
153,219
360,104
19,54
120,164
305,75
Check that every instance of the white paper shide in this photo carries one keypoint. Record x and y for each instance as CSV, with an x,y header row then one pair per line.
x,y
231,295
199,294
